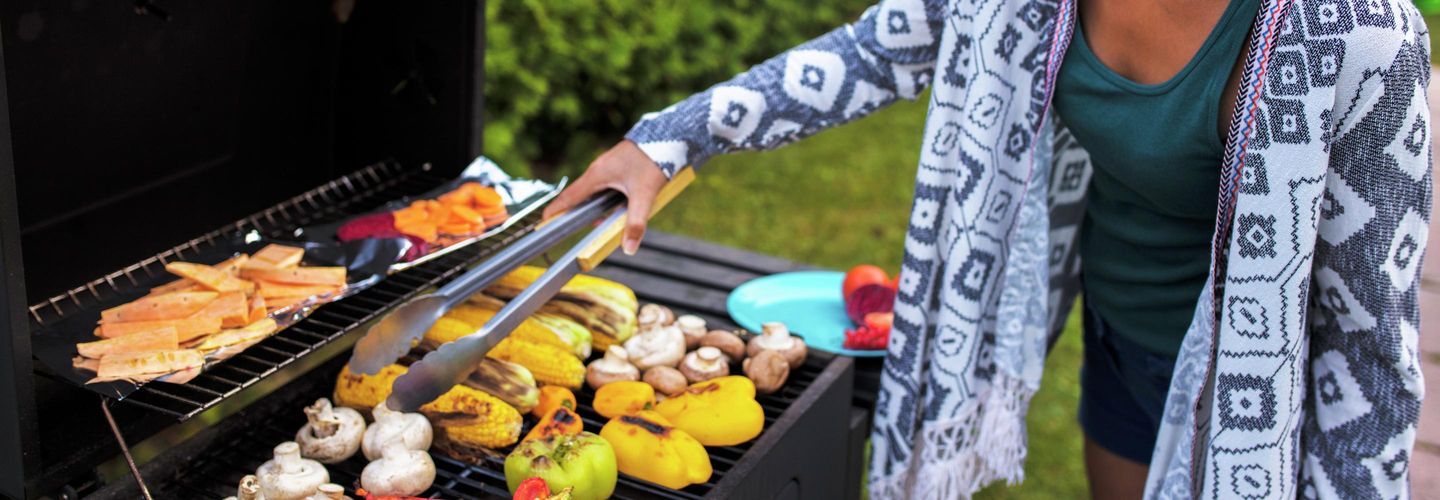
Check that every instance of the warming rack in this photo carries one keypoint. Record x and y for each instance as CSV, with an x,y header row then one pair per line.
x,y
355,193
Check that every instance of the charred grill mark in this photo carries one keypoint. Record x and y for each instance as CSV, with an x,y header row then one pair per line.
x,y
651,427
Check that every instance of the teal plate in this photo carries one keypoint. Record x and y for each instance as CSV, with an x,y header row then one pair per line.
x,y
808,302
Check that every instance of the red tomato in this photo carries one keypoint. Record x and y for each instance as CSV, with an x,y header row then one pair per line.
x,y
862,275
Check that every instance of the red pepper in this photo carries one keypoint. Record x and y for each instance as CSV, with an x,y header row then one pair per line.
x,y
367,496
532,489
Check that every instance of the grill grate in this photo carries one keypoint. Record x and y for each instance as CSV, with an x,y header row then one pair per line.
x,y
214,473
360,191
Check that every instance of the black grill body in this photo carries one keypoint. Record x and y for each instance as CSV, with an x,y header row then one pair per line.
x,y
136,133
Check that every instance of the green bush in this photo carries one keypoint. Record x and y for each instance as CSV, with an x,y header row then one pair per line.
x,y
565,78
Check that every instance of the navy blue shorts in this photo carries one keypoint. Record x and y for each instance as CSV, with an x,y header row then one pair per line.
x,y
1122,391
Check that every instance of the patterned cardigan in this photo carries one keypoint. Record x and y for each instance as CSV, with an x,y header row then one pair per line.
x,y
1298,375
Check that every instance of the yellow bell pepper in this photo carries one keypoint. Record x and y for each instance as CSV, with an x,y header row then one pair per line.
x,y
648,447
625,397
717,412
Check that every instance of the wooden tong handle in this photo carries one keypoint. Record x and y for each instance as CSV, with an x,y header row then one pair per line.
x,y
609,240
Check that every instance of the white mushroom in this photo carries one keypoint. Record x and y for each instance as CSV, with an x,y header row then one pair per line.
x,y
694,329
412,430
290,477
704,364
776,337
249,489
661,346
329,491
614,367
654,316
332,435
400,472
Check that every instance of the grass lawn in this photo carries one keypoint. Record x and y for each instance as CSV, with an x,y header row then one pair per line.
x,y
843,198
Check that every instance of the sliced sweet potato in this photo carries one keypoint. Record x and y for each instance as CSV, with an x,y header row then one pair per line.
x,y
187,329
332,276
276,304
257,308
232,265
232,308
209,277
174,305
180,285
280,256
163,339
460,228
254,331
272,290
127,366
439,214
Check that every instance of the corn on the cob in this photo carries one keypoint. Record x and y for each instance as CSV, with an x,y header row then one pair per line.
x,y
605,307
463,415
363,392
551,365
508,381
472,418
541,329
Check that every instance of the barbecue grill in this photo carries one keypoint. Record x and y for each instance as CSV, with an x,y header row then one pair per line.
x,y
130,127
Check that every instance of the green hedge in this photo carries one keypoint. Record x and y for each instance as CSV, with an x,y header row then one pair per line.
x,y
564,78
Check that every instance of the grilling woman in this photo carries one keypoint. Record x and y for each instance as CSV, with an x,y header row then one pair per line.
x,y
1242,187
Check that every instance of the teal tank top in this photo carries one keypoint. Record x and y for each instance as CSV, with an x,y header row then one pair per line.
x,y
1156,152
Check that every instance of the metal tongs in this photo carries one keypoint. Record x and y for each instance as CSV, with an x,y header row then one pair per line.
x,y
440,369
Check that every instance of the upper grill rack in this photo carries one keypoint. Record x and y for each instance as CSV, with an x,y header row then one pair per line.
x,y
362,190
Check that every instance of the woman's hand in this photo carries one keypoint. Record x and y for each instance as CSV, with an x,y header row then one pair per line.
x,y
623,168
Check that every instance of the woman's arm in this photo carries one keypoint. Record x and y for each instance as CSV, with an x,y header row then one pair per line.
x,y
888,54
1364,352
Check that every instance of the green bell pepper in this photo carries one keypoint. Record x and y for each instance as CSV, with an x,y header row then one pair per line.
x,y
584,461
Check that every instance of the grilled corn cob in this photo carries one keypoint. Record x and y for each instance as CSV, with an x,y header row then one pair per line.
x,y
508,381
463,415
363,392
605,307
551,365
472,418
539,328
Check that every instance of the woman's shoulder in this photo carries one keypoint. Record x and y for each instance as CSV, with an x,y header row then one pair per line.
x,y
1344,42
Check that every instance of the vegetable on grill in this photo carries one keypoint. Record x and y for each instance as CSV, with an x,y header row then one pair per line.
x,y
551,365
648,447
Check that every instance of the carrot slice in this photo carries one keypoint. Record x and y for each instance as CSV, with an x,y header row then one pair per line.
x,y
465,214
333,276
156,307
163,339
209,277
272,290
456,228
487,198
187,329
280,256
231,307
439,214
124,366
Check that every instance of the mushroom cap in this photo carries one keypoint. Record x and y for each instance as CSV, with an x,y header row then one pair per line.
x,y
613,367
728,343
666,380
400,472
768,370
704,364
